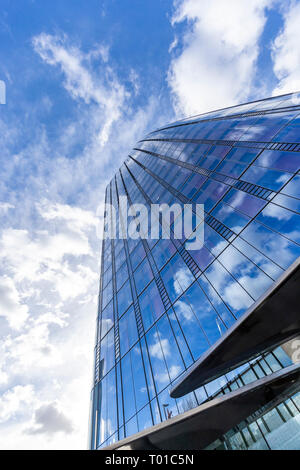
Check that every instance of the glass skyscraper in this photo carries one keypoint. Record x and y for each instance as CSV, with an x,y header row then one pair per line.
x,y
162,307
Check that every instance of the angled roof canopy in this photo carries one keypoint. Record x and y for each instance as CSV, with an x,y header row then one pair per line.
x,y
273,319
201,426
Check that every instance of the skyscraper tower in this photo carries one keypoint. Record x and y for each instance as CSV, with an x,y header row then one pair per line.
x,y
198,348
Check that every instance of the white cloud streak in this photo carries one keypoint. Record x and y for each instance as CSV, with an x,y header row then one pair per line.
x,y
80,82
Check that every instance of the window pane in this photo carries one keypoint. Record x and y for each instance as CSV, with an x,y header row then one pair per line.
x,y
124,298
142,276
151,305
107,319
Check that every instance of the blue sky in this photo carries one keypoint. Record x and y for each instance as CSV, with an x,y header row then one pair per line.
x,y
85,81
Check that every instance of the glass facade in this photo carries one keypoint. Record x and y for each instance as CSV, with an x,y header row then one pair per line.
x,y
162,306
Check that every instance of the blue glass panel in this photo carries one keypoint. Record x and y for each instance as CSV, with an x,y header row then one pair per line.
x,y
188,152
157,359
170,349
143,275
220,307
210,193
151,305
283,220
186,403
254,281
119,244
246,203
214,242
241,155
128,331
233,129
293,187
185,352
270,179
218,151
201,394
131,427
155,412
290,133
122,275
232,169
107,260
203,257
176,277
215,385
107,294
267,265
288,202
230,290
191,327
230,217
119,260
271,244
144,418
272,362
181,177
112,440
168,406
193,185
162,252
128,388
204,311
148,372
282,357
107,276
198,153
267,127
107,416
140,387
132,244
271,103
124,298
111,402
107,319
107,353
137,256
120,394
286,161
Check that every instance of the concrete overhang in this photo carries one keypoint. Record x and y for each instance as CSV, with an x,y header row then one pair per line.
x,y
199,427
273,319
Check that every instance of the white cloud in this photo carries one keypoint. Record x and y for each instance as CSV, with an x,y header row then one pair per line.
x,y
173,44
285,51
134,79
217,63
11,307
48,419
75,217
80,82
48,297
30,348
15,400
30,257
